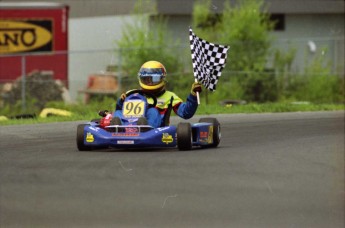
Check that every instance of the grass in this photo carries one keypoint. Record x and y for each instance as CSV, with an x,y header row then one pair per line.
x,y
82,112
268,107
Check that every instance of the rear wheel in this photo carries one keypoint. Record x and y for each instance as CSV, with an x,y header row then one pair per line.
x,y
80,138
216,135
184,136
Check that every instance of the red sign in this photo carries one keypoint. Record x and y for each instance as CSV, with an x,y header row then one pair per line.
x,y
39,28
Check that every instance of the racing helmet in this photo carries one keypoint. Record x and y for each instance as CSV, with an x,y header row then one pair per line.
x,y
152,76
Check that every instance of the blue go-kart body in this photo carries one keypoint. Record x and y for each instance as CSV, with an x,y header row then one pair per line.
x,y
132,134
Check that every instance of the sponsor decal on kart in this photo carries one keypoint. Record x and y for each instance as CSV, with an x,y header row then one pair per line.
x,y
203,134
125,134
210,134
89,137
94,128
166,138
161,129
125,142
131,129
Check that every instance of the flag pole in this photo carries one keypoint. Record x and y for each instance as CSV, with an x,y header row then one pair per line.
x,y
197,94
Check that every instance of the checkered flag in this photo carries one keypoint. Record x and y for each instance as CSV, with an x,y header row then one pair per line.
x,y
208,60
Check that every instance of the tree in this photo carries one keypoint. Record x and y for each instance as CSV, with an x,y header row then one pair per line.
x,y
144,40
245,27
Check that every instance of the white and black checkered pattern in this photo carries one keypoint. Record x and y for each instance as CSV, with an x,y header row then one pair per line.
x,y
208,60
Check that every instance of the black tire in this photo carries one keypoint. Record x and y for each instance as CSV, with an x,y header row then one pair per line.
x,y
184,136
142,121
80,138
216,134
115,121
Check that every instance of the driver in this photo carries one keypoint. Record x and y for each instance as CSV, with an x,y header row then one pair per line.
x,y
151,77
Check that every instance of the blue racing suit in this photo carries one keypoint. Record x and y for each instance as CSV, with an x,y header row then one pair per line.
x,y
155,115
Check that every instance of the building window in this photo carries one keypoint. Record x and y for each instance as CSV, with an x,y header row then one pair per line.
x,y
279,21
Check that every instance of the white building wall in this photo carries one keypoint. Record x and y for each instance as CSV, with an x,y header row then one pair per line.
x,y
91,44
325,31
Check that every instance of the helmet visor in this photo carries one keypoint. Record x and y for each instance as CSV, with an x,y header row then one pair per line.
x,y
151,76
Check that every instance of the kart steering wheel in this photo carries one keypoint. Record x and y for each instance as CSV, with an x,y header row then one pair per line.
x,y
143,93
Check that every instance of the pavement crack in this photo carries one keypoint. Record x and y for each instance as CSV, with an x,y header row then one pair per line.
x,y
166,198
125,169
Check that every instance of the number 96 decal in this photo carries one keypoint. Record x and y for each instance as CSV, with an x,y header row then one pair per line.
x,y
133,108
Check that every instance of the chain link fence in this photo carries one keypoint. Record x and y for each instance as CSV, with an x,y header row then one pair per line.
x,y
93,73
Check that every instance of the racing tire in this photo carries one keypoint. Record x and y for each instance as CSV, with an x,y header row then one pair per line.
x,y
184,136
216,134
142,121
115,121
80,138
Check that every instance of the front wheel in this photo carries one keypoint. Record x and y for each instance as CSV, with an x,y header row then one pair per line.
x,y
184,136
80,138
216,135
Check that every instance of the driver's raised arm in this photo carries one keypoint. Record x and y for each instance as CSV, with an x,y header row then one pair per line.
x,y
187,109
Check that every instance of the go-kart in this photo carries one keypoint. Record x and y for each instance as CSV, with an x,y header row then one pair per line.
x,y
133,133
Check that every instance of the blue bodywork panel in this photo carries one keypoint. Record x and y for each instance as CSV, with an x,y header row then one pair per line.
x,y
130,136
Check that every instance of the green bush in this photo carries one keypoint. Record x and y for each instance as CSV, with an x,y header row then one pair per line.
x,y
261,87
19,108
316,88
245,27
318,84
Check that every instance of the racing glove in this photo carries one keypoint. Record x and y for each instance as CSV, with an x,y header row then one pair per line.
x,y
123,97
103,113
120,101
196,87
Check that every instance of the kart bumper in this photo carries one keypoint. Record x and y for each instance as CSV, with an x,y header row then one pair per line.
x,y
159,137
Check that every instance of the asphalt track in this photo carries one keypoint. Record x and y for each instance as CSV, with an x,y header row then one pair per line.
x,y
270,170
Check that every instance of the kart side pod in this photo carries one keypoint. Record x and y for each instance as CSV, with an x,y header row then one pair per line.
x,y
189,135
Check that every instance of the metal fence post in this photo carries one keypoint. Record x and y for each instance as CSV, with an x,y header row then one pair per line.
x,y
23,83
120,70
